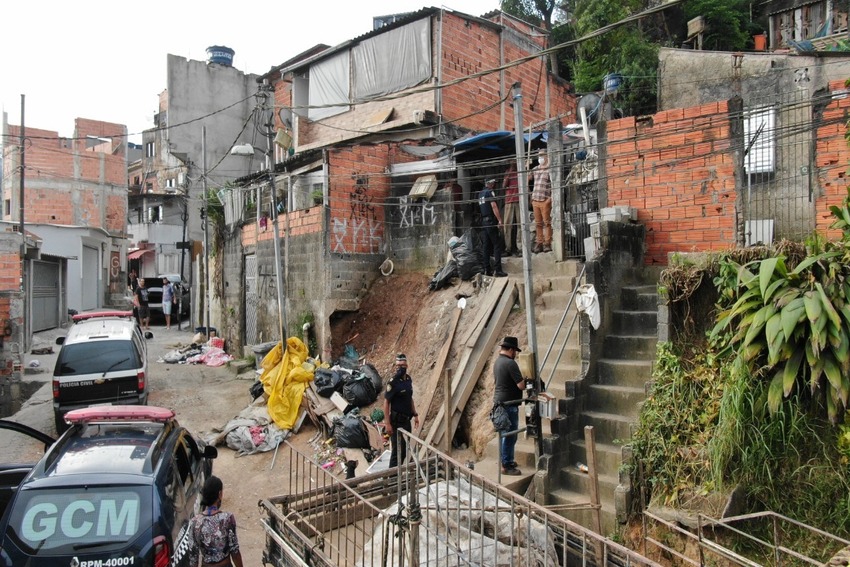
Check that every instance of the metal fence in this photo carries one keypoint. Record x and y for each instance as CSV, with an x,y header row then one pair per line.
x,y
431,511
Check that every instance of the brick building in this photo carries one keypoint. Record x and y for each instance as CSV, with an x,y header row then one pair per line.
x,y
357,132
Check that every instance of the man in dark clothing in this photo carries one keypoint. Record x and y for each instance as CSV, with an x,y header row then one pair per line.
x,y
509,388
491,223
399,409
140,302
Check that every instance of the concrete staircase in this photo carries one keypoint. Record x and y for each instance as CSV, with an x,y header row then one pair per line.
x,y
553,284
610,402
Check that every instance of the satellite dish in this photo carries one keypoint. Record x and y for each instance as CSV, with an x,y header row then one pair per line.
x,y
591,103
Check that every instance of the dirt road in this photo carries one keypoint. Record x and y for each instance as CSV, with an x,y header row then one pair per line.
x,y
204,398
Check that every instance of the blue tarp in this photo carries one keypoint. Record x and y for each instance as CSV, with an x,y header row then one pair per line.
x,y
496,141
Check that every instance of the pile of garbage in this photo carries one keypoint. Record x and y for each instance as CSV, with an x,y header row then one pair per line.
x,y
464,261
201,351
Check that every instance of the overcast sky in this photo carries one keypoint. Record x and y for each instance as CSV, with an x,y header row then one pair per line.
x,y
106,59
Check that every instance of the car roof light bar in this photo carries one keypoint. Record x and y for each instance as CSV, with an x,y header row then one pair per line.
x,y
98,314
119,413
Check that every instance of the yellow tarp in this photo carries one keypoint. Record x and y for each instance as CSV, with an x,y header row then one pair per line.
x,y
285,377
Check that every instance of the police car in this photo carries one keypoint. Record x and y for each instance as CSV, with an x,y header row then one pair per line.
x,y
118,488
103,360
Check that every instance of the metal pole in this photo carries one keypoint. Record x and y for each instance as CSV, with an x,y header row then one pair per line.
x,y
206,236
281,306
25,318
524,225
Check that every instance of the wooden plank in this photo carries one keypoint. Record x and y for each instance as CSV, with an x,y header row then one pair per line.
x,y
463,385
484,310
438,370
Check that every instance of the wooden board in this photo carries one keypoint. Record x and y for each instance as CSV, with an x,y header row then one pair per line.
x,y
463,385
437,372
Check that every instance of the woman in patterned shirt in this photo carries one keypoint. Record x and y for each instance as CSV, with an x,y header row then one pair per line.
x,y
214,530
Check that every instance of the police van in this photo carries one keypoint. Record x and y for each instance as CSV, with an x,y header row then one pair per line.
x,y
118,488
103,361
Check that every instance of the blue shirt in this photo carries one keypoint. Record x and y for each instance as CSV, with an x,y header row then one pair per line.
x,y
400,393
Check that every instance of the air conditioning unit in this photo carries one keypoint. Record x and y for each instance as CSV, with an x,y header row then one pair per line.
x,y
425,117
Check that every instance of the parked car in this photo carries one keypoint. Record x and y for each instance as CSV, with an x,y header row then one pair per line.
x,y
103,360
181,288
119,487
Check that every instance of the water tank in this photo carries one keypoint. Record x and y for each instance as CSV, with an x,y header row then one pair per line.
x,y
220,54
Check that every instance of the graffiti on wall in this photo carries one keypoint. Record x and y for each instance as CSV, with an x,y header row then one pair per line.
x,y
415,214
361,229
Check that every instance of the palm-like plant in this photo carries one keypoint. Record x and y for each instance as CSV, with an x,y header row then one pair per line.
x,y
791,324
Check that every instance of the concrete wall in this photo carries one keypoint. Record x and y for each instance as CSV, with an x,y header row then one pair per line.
x,y
689,78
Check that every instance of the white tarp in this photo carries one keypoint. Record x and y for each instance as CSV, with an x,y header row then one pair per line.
x,y
588,302
392,61
329,85
483,531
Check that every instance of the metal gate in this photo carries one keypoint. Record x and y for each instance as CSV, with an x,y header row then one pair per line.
x,y
251,299
778,196
90,280
45,295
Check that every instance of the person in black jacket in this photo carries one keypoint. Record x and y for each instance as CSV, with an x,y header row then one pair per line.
x,y
399,409
509,387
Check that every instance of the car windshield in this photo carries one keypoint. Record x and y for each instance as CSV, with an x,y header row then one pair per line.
x,y
96,357
68,519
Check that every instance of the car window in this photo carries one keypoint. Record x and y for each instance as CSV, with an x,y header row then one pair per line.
x,y
96,357
69,519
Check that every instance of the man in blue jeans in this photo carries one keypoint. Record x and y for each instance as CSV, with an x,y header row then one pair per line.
x,y
509,388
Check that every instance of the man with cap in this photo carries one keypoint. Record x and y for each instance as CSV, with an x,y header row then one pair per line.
x,y
491,223
399,409
509,388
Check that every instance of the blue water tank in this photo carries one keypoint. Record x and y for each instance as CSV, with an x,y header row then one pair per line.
x,y
220,54
612,82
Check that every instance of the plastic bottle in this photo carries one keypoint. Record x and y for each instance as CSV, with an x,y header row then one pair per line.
x,y
582,467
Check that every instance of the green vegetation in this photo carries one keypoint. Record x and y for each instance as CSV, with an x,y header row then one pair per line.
x,y
759,401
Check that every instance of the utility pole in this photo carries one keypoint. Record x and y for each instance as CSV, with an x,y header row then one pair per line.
x,y
266,89
25,336
206,235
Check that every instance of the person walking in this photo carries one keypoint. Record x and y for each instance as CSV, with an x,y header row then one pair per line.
x,y
491,223
140,302
399,409
168,298
213,531
541,203
510,385
511,218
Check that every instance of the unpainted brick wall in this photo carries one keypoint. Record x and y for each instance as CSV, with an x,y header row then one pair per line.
x,y
832,154
677,168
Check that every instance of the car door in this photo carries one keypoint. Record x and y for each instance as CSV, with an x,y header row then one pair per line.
x,y
11,474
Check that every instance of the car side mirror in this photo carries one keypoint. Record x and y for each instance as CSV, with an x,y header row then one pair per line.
x,y
210,452
60,340
148,335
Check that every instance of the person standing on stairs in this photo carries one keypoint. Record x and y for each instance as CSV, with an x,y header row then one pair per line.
x,y
509,388
541,204
491,223
511,218
399,409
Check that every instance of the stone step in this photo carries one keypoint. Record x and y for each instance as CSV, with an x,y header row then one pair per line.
x,y
630,346
490,469
633,373
545,332
608,427
623,400
639,298
571,478
609,456
635,323
543,265
559,498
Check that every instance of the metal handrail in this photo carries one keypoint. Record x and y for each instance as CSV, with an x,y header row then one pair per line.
x,y
560,326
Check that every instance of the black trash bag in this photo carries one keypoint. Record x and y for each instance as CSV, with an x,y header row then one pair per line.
x,y
372,373
256,390
499,417
350,432
358,390
467,254
327,382
443,277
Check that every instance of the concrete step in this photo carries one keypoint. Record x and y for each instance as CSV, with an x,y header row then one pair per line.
x,y
609,456
525,451
635,322
608,427
545,332
623,400
490,469
639,298
634,373
559,499
578,481
630,346
544,265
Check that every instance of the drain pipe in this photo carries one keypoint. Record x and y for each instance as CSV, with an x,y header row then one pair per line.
x,y
305,334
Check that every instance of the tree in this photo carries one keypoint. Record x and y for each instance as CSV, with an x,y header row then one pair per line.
x,y
539,13
727,22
